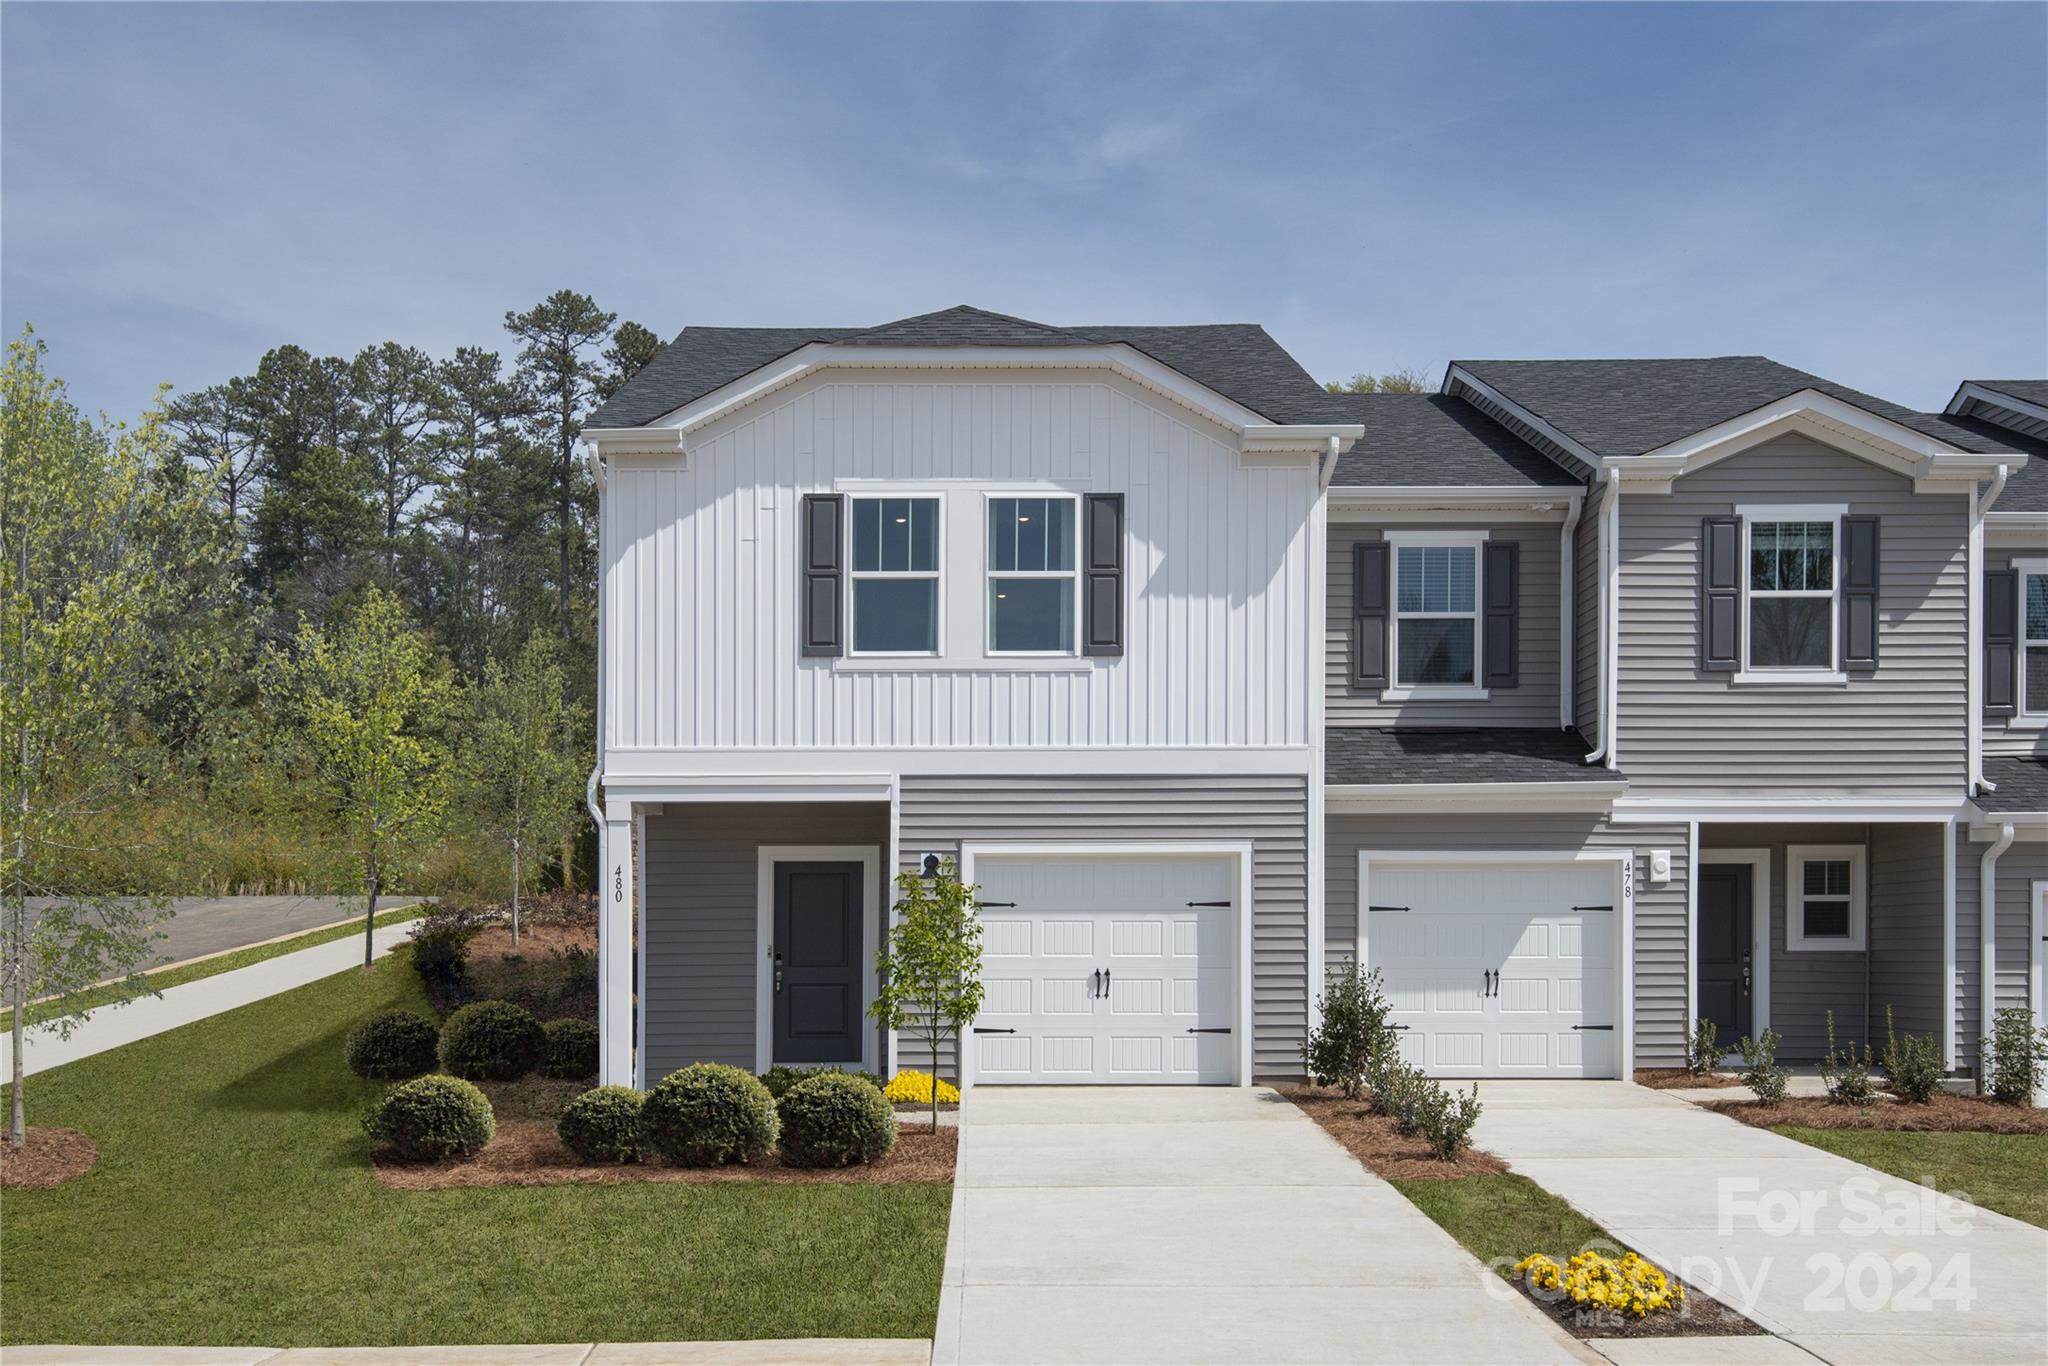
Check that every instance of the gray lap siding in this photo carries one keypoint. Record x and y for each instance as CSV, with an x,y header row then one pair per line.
x,y
1660,927
936,814
2018,868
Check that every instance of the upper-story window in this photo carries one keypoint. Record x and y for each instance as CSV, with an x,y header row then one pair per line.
x,y
2033,636
1033,583
895,576
1792,575
1437,641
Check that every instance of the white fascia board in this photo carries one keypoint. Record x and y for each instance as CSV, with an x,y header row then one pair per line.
x,y
1354,504
653,766
1457,374
1810,809
1310,438
1972,393
1384,798
757,787
2016,528
1116,357
610,441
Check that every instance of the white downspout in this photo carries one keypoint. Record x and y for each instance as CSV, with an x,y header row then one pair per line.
x,y
1567,561
1610,615
1987,940
590,801
1973,615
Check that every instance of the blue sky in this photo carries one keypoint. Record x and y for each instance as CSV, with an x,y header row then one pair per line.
x,y
1860,190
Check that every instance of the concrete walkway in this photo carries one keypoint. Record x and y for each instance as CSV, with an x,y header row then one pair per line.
x,y
112,1026
1854,1266
796,1352
1195,1225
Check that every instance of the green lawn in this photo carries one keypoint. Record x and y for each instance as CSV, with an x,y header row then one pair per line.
x,y
177,974
2003,1172
1502,1219
234,1204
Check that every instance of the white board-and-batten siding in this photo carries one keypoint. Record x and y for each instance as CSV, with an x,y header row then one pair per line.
x,y
701,565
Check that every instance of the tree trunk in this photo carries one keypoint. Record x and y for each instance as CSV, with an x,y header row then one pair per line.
x,y
515,891
370,917
17,1124
569,862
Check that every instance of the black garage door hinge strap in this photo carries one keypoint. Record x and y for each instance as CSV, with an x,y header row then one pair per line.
x,y
1224,1030
1387,908
1607,1028
979,1030
1010,905
1225,904
1592,908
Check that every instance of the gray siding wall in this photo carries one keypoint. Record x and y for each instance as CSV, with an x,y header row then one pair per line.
x,y
699,912
937,813
1905,930
2018,868
1660,938
1901,730
2020,735
1587,589
1806,986
1534,703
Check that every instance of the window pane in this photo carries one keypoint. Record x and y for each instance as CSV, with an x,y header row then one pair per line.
x,y
1820,555
1763,556
895,535
867,534
2037,607
1434,651
2037,678
1410,566
1437,578
1792,555
1826,877
1031,614
1031,534
924,534
1790,633
896,614
1827,920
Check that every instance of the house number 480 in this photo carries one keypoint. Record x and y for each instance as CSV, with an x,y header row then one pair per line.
x,y
618,884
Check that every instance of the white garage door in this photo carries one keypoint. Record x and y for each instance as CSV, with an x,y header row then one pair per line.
x,y
1498,969
1107,969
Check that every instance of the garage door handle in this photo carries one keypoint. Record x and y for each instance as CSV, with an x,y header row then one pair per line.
x,y
1224,904
1607,1028
979,1030
1224,1030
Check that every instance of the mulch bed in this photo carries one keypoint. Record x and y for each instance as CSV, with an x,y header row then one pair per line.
x,y
1678,1079
47,1157
1945,1113
1701,1316
526,1152
1374,1140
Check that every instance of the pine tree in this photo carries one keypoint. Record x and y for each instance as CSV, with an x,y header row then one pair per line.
x,y
558,371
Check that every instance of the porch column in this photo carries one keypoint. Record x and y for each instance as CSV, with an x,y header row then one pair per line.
x,y
615,951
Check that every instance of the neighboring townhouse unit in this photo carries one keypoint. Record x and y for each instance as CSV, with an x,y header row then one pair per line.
x,y
1579,700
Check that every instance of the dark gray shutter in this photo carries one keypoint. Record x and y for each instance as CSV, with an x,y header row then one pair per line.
x,y
1369,614
1102,578
1720,594
1859,592
821,529
1503,592
2001,642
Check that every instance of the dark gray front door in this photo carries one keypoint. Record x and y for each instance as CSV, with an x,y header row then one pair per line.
x,y
1724,969
817,962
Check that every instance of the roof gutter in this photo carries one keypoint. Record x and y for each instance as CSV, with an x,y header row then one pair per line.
x,y
1973,635
1567,563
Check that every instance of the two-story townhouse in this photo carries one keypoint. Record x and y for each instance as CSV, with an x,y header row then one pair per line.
x,y
1643,690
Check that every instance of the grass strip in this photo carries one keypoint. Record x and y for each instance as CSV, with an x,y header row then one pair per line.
x,y
1500,1219
2003,1172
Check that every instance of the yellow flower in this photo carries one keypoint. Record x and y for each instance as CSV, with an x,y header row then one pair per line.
x,y
909,1085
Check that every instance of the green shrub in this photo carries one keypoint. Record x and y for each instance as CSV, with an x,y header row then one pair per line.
x,y
571,1051
780,1078
835,1120
602,1124
494,1040
392,1046
428,1119
1401,1097
1760,1069
1353,1036
2014,1052
1847,1076
1702,1052
1913,1065
1446,1118
707,1115
440,954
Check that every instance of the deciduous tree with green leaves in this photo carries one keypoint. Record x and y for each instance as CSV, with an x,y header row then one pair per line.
x,y
97,556
931,965
364,706
525,751
1392,382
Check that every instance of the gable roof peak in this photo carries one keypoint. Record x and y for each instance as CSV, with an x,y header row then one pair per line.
x,y
965,325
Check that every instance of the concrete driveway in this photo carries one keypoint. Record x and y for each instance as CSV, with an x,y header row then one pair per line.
x,y
1200,1225
1850,1264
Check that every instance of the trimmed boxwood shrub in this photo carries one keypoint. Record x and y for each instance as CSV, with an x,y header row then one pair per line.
x,y
431,1118
707,1115
494,1040
835,1120
392,1046
779,1078
603,1124
571,1049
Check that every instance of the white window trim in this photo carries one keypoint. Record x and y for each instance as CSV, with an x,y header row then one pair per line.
x,y
1832,513
937,575
989,574
1796,858
1397,691
2031,568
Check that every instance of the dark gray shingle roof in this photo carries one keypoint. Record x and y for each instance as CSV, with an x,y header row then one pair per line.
x,y
1376,757
1421,440
2022,785
2025,390
2027,488
1238,360
1618,408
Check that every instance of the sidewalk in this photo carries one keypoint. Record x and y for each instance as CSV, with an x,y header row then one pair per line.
x,y
796,1352
113,1026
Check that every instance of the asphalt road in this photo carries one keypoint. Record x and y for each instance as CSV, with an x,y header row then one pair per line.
x,y
206,925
